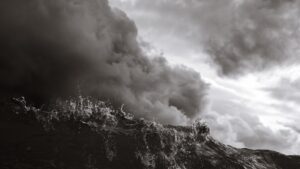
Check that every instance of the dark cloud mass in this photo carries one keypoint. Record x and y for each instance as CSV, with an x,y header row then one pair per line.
x,y
256,35
48,48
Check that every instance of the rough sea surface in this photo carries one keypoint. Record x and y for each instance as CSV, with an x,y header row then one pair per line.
x,y
83,133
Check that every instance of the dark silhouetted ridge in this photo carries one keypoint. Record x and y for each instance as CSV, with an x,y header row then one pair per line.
x,y
87,134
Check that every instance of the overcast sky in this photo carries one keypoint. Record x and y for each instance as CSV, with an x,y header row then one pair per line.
x,y
247,51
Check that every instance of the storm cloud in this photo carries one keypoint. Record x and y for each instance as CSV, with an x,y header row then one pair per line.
x,y
239,36
242,47
49,48
287,90
246,130
256,35
239,123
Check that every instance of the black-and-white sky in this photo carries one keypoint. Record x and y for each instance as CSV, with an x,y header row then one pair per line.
x,y
233,63
247,51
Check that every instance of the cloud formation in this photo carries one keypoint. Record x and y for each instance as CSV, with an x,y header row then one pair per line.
x,y
287,94
245,39
48,48
257,35
239,36
286,90
239,125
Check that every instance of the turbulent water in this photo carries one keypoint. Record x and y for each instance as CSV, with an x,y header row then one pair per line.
x,y
87,134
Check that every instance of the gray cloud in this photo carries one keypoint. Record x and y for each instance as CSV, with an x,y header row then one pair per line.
x,y
50,47
239,36
286,90
287,94
260,34
239,126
